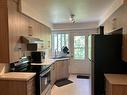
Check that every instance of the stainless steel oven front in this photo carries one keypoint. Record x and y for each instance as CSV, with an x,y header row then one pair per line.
x,y
44,80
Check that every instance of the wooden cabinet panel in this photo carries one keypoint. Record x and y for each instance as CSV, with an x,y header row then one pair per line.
x,y
15,87
108,88
62,71
116,89
116,84
53,74
12,87
48,39
66,68
13,22
31,87
4,47
59,70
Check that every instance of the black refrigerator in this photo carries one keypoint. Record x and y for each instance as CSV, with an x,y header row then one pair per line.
x,y
106,58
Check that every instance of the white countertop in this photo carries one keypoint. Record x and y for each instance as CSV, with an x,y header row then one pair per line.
x,y
49,61
20,76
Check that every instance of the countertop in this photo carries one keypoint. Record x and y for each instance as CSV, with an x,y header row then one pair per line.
x,y
25,76
20,76
49,61
118,79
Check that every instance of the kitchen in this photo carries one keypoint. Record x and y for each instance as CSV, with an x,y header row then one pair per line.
x,y
15,24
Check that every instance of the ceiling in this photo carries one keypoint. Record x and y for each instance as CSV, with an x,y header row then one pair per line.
x,y
58,11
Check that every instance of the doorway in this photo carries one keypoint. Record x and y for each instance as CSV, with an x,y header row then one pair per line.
x,y
79,53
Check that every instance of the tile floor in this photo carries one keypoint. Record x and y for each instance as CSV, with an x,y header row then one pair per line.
x,y
78,87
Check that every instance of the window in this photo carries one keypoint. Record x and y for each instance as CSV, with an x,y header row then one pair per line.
x,y
79,47
89,46
58,41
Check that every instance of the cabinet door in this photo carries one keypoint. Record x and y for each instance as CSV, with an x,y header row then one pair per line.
x,y
12,87
48,39
14,34
53,74
16,87
4,44
62,71
66,68
59,70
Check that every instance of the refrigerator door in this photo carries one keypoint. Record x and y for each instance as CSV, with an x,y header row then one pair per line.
x,y
106,56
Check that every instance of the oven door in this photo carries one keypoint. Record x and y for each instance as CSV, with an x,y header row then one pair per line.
x,y
44,80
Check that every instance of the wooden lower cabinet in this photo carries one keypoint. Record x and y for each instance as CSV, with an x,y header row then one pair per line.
x,y
59,70
62,69
115,89
17,87
53,74
116,84
31,87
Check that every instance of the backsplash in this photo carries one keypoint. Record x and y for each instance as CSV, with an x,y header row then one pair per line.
x,y
4,68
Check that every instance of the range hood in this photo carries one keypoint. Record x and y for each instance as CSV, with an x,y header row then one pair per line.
x,y
31,40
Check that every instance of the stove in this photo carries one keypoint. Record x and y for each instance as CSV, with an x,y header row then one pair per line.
x,y
39,69
42,73
24,65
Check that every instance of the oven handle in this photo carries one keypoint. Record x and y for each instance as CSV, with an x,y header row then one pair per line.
x,y
42,74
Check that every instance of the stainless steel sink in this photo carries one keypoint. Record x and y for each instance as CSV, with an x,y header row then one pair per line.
x,y
58,57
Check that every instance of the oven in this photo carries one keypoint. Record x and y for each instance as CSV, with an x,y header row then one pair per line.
x,y
43,81
42,73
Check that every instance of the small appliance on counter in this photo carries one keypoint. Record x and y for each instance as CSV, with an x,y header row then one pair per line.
x,y
37,57
64,52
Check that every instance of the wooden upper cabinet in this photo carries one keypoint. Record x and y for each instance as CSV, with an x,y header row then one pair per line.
x,y
13,25
4,40
47,40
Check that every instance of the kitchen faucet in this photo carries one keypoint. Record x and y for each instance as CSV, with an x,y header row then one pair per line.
x,y
55,53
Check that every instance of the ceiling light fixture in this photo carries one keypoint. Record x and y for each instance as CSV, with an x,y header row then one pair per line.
x,y
72,19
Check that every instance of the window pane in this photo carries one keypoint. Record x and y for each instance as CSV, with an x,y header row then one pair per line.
x,y
79,54
59,42
79,47
66,38
89,46
55,41
62,42
79,41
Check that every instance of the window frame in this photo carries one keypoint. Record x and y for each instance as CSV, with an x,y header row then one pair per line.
x,y
63,37
80,47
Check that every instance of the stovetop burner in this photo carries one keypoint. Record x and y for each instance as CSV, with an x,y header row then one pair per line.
x,y
39,68
23,65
